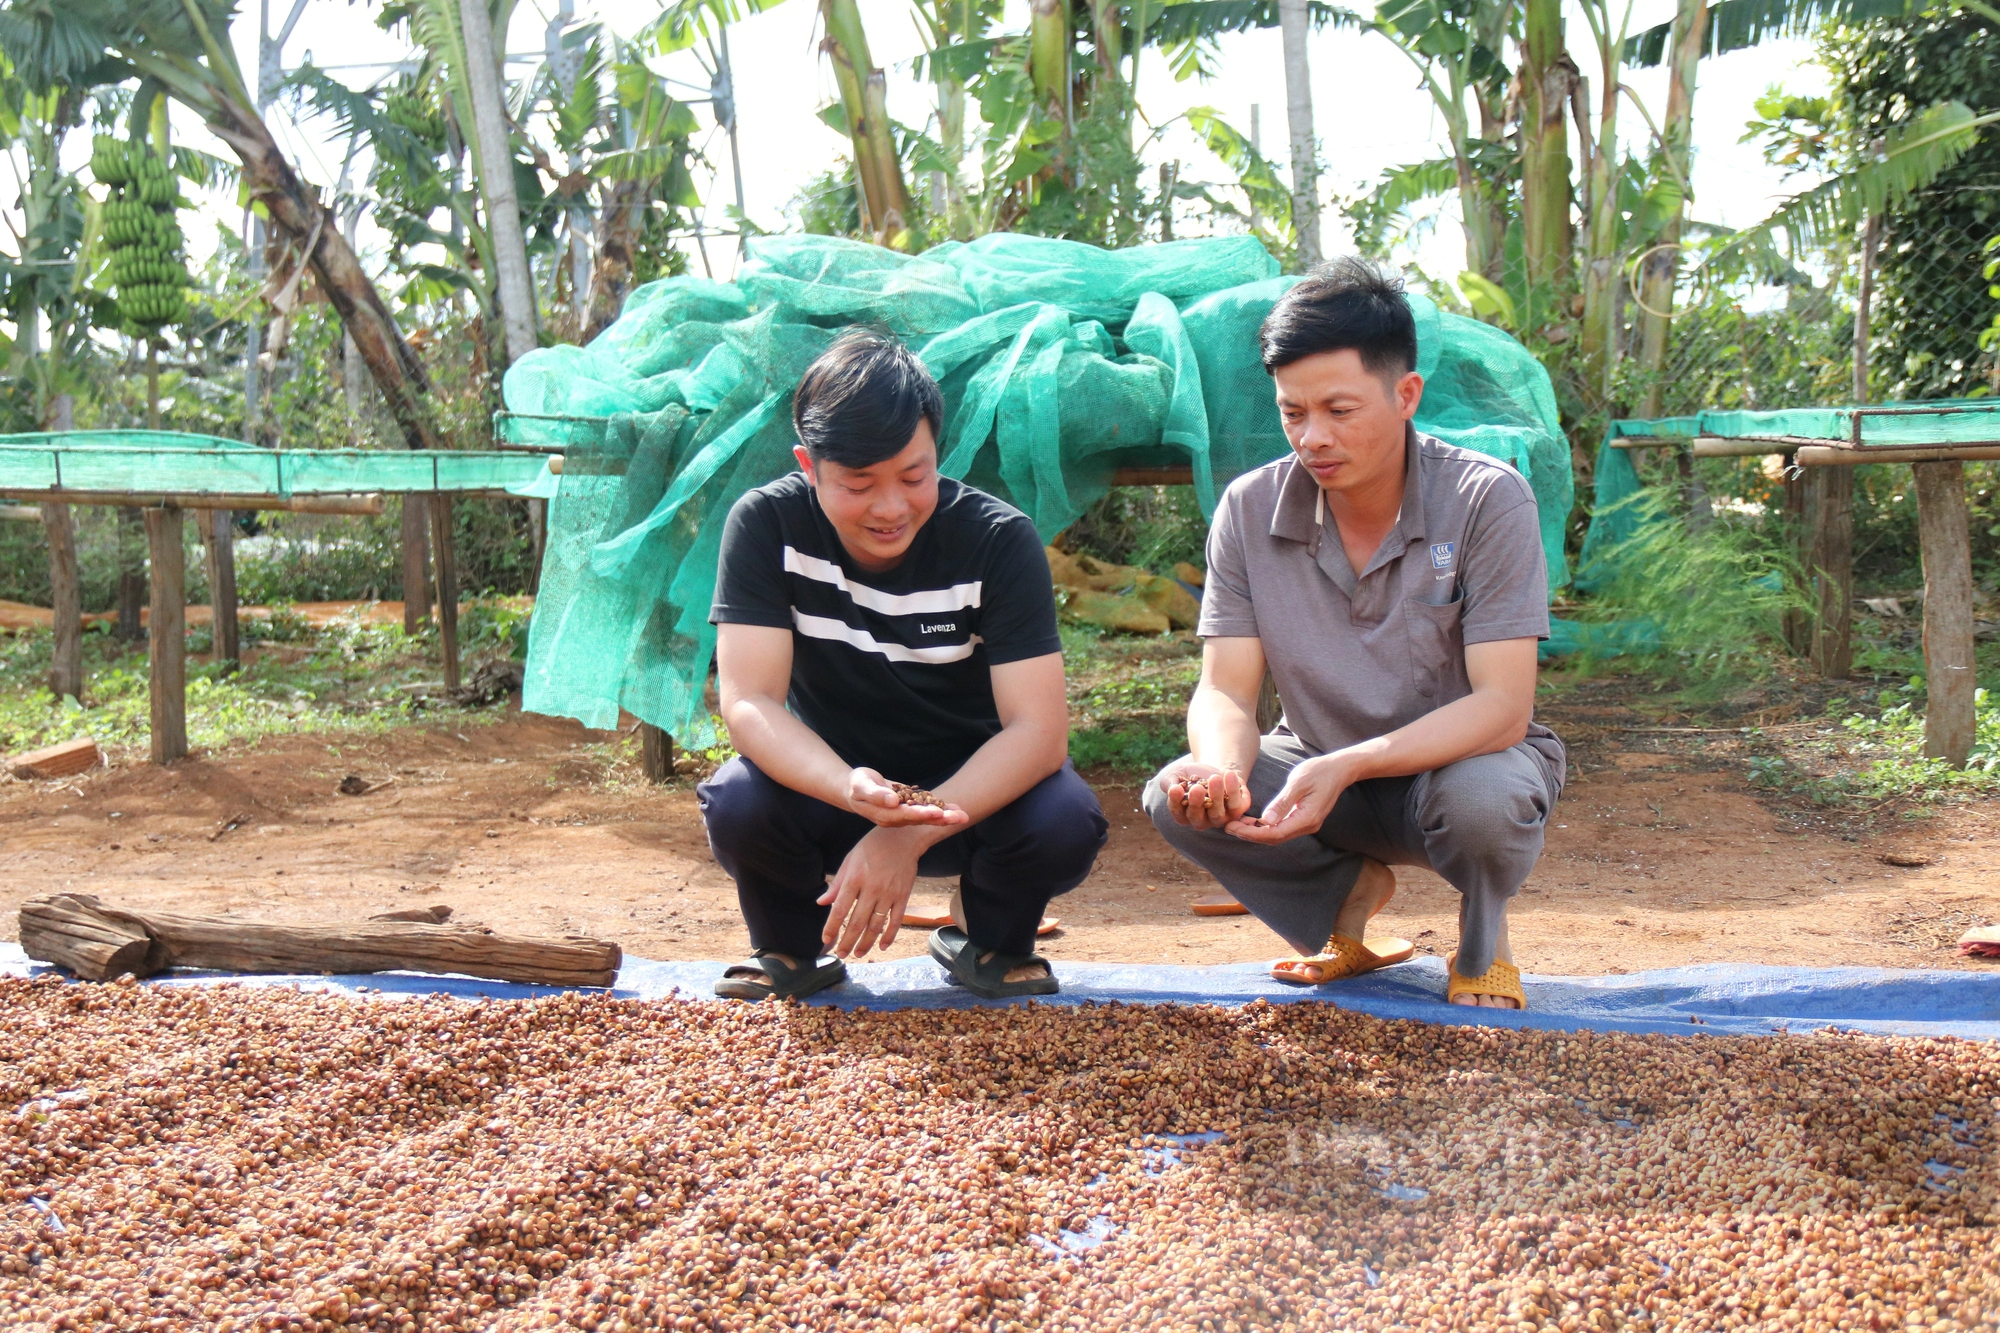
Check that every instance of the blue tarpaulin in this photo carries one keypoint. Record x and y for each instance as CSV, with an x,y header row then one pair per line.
x,y
1707,999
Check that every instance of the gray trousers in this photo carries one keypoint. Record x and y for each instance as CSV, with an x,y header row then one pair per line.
x,y
1478,823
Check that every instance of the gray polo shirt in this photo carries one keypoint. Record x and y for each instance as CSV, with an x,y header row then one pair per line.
x,y
1355,657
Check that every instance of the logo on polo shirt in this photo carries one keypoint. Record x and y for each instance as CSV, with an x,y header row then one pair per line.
x,y
1441,555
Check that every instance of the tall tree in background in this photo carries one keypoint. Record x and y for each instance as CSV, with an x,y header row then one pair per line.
x,y
482,48
1662,266
181,45
1546,78
864,101
1294,24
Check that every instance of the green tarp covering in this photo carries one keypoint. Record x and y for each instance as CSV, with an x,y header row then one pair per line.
x,y
1059,362
168,462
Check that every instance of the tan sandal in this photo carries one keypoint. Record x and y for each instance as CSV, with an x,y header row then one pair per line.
x,y
1501,979
1343,958
1219,904
932,917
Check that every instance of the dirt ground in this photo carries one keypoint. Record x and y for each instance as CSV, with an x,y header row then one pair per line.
x,y
1661,854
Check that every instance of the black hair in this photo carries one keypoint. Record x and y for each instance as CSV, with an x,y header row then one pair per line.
x,y
1349,302
860,400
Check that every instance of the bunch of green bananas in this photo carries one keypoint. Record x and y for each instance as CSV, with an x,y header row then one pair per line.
x,y
413,113
146,266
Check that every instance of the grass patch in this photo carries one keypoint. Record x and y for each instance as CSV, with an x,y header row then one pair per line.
x,y
1128,698
345,677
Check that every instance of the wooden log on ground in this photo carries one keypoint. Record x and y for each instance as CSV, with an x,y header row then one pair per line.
x,y
57,761
167,648
219,542
75,931
136,500
416,564
1942,527
178,940
66,589
444,556
656,753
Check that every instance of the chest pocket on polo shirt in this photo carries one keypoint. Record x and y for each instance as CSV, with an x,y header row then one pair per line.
x,y
1437,639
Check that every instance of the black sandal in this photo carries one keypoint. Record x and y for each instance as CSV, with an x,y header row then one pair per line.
x,y
988,979
788,982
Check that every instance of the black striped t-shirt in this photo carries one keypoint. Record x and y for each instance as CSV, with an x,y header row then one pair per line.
x,y
892,670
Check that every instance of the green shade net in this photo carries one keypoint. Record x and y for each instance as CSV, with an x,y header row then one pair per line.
x,y
1618,512
154,462
1059,362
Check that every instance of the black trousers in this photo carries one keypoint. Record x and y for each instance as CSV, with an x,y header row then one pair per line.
x,y
780,845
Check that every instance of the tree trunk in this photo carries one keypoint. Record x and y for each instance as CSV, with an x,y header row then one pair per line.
x,y
297,212
1546,76
66,588
1598,338
622,214
1294,27
218,532
863,95
131,541
1662,267
493,159
65,576
1949,718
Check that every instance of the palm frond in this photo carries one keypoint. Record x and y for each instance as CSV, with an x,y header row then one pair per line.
x,y
356,112
1269,196
1736,24
684,21
1376,212
1910,159
50,46
1186,20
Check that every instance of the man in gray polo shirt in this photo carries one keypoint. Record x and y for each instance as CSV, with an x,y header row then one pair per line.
x,y
1395,588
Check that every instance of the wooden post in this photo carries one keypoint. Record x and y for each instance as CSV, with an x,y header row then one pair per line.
x,y
1948,663
66,587
168,652
219,541
656,753
1797,513
416,565
1831,558
446,559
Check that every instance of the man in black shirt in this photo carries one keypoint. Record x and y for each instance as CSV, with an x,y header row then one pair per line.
x,y
879,624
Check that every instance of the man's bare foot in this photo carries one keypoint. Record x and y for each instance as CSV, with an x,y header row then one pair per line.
x,y
1372,890
1025,972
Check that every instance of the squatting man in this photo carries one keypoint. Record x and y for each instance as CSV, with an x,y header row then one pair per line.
x,y
877,625
1395,588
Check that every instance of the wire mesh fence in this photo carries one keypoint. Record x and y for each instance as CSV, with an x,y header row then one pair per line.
x,y
1742,342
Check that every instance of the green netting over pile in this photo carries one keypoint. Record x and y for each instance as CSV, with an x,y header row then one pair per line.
x,y
1059,362
169,462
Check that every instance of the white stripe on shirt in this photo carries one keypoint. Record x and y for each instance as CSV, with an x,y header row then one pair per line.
x,y
932,602
820,627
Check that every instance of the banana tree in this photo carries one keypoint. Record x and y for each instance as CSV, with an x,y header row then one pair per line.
x,y
183,46
1547,79
1456,46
